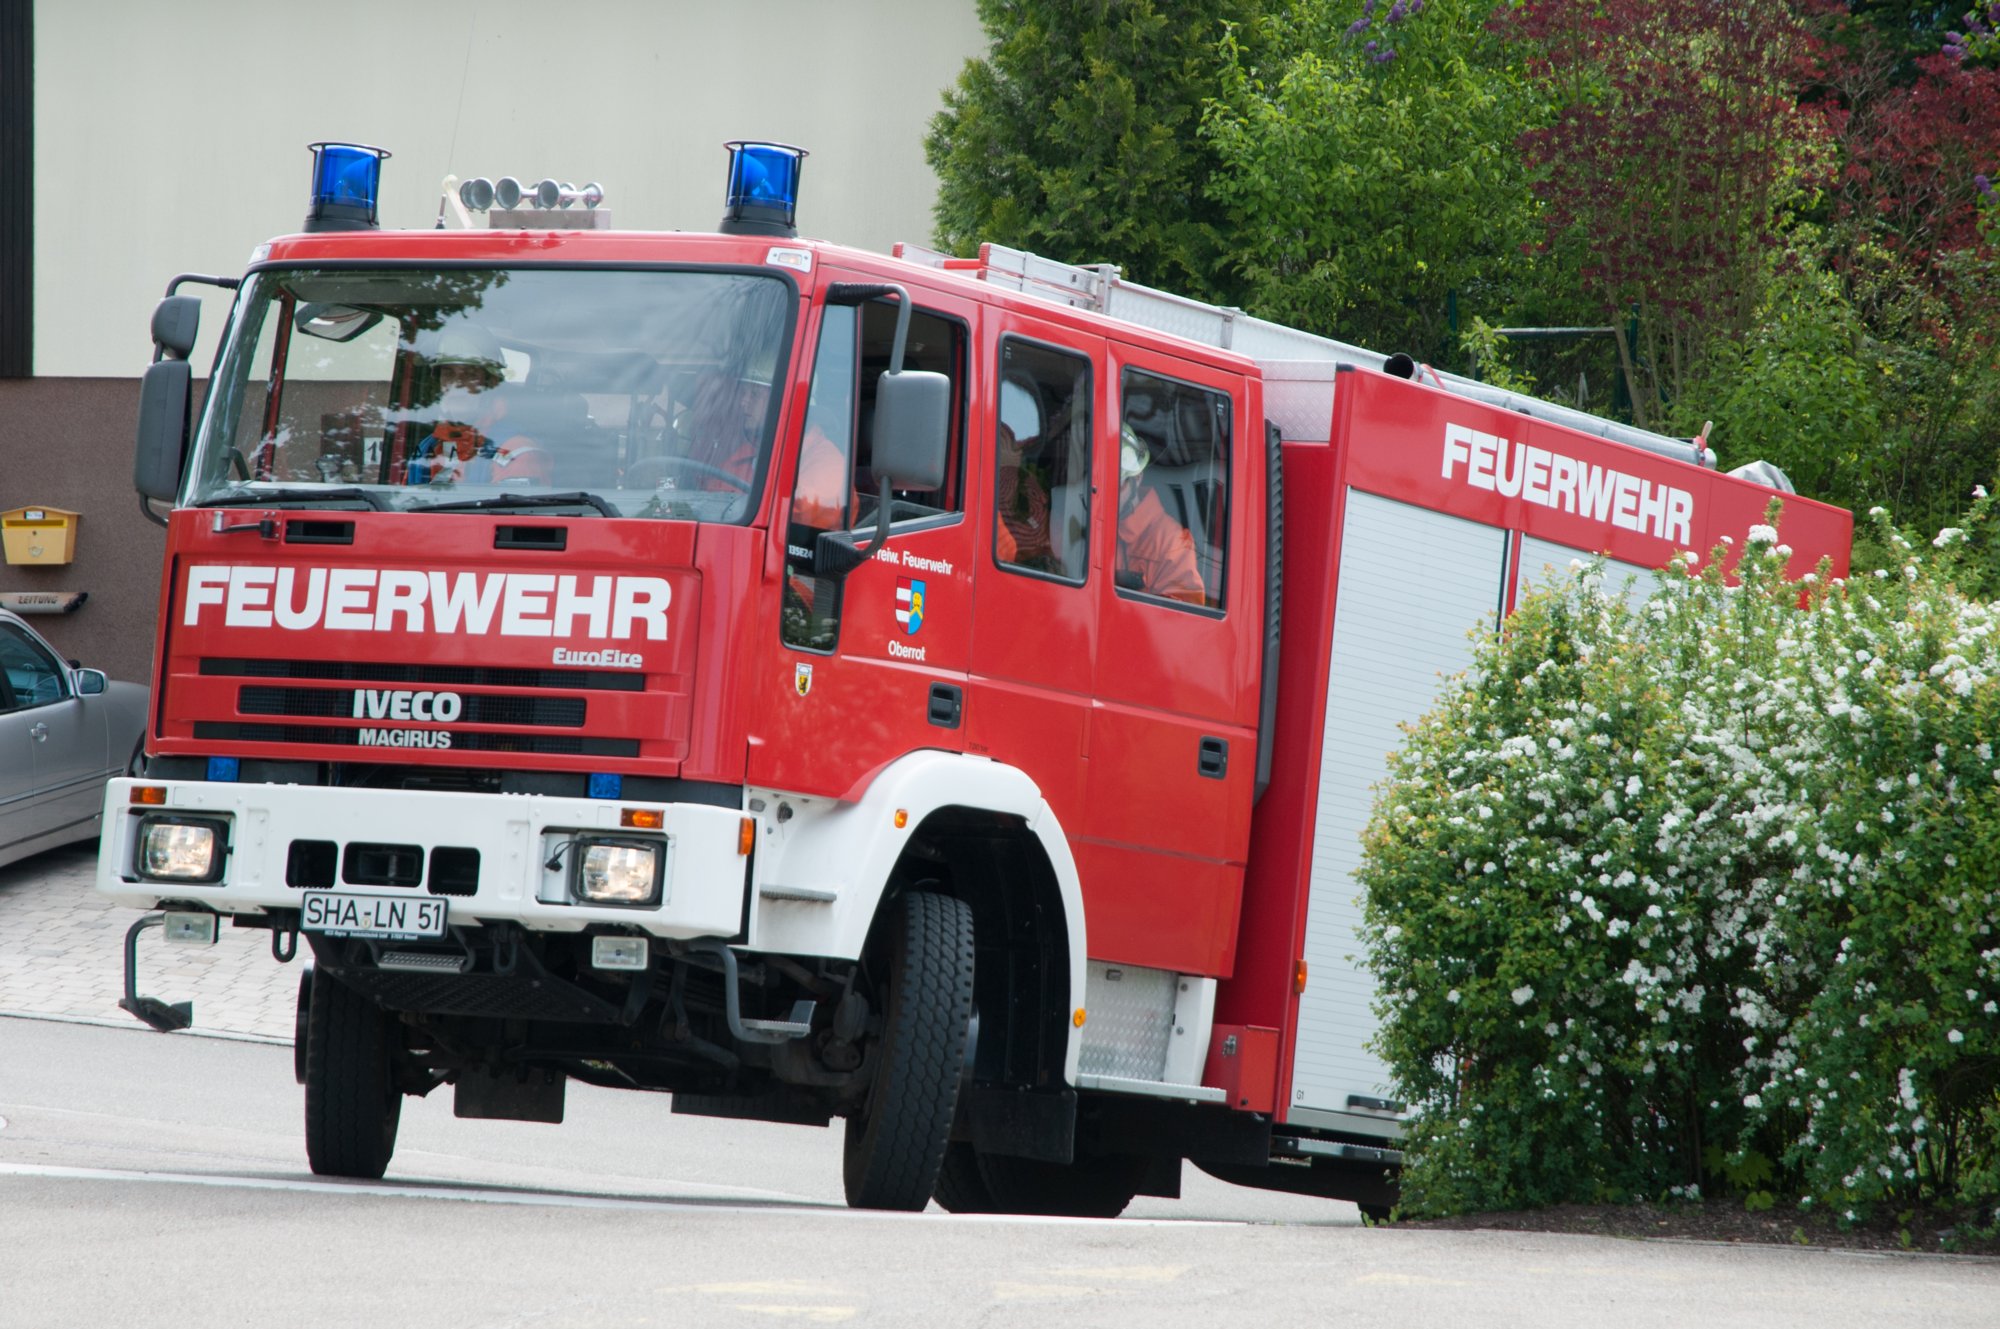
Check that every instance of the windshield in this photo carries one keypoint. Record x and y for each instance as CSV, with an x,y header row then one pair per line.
x,y
628,393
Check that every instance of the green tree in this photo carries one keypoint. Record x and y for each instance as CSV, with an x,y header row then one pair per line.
x,y
1366,157
1076,138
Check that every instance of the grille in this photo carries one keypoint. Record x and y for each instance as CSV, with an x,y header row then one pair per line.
x,y
331,703
549,744
434,676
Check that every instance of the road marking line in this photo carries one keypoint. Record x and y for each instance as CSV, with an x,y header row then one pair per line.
x,y
556,1199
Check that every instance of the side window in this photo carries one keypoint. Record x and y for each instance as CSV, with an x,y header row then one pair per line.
x,y
33,675
823,497
935,344
1042,455
1173,490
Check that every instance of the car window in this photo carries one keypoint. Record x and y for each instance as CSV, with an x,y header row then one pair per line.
x,y
33,675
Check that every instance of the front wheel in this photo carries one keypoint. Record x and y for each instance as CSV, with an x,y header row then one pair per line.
x,y
352,1103
896,1139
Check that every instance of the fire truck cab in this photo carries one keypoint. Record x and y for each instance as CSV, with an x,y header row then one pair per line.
x,y
809,683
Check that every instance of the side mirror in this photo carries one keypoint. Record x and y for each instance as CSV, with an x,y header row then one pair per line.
x,y
89,682
163,428
912,419
176,320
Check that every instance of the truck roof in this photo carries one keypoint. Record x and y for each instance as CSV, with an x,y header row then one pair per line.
x,y
634,248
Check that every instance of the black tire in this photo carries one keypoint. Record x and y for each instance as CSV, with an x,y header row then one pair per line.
x,y
352,1102
1090,1187
896,1139
961,1189
300,1032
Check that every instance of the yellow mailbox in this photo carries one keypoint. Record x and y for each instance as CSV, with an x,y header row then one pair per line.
x,y
39,536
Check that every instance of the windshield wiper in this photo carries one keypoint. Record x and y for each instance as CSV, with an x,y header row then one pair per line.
x,y
251,498
573,498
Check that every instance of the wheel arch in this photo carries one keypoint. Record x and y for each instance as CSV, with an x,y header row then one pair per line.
x,y
826,871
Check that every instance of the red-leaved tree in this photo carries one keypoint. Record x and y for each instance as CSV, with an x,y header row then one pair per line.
x,y
1678,143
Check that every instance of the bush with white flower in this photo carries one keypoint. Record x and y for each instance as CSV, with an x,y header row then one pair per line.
x,y
1703,896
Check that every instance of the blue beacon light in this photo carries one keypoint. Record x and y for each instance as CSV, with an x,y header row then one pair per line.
x,y
346,180
763,192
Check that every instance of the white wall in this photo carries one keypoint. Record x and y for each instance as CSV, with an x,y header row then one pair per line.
x,y
170,137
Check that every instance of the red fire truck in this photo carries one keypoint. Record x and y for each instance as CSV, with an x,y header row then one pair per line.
x,y
941,694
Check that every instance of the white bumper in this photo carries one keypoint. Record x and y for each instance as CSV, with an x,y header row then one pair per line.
x,y
516,835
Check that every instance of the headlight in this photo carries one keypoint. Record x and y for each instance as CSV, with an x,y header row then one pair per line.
x,y
180,849
618,872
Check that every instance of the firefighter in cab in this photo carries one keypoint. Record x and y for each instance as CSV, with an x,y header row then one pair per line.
x,y
471,442
1156,554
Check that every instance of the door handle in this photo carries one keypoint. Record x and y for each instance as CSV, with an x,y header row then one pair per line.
x,y
40,731
947,704
1214,759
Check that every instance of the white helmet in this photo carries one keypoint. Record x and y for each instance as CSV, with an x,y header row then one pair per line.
x,y
1133,456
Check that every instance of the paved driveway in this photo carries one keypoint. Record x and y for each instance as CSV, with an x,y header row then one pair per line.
x,y
62,951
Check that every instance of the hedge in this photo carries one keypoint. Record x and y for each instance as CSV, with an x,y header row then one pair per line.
x,y
1696,895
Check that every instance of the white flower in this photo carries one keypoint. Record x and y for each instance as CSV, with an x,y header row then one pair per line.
x,y
1452,996
1762,535
1633,786
1946,536
1523,995
1753,1100
1954,1037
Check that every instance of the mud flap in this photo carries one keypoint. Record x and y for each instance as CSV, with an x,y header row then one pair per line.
x,y
519,1094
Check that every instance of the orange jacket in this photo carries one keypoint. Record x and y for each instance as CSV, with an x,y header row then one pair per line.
x,y
1159,551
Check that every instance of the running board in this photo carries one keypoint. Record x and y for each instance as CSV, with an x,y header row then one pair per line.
x,y
1356,1153
1119,1084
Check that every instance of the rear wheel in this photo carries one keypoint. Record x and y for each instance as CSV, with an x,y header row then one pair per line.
x,y
352,1103
960,1187
896,1139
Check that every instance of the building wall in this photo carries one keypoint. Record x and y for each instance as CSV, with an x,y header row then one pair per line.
x,y
67,443
172,138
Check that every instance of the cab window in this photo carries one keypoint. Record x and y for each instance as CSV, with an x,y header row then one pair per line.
x,y
1173,490
1041,447
836,488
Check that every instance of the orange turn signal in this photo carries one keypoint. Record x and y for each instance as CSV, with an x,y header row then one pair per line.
x,y
902,818
746,836
645,819
1078,1018
1299,979
152,794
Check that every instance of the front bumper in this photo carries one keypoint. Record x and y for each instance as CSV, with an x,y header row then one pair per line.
x,y
514,836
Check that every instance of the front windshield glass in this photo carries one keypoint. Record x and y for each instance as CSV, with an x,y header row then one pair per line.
x,y
641,393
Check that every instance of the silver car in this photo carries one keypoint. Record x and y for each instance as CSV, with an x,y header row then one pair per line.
x,y
64,731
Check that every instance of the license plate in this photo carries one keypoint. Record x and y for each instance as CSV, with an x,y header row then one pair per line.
x,y
398,918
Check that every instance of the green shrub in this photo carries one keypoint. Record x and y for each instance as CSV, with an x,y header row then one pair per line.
x,y
1699,895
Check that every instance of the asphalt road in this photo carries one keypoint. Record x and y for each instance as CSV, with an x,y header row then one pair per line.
x,y
151,1179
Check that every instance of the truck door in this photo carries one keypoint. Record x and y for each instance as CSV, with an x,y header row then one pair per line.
x,y
1172,767
1035,631
872,666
